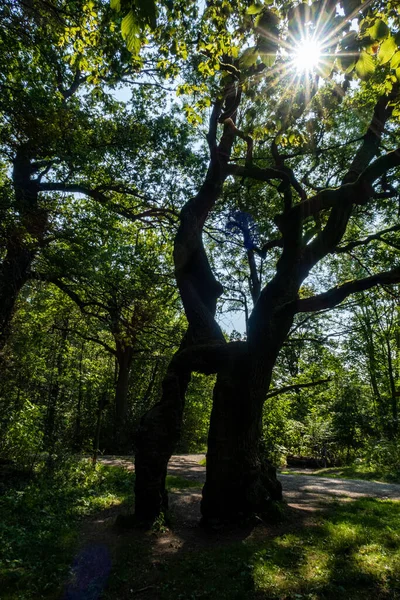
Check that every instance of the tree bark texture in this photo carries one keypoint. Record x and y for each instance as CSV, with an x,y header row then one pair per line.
x,y
239,480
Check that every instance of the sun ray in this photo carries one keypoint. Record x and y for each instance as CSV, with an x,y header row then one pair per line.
x,y
307,55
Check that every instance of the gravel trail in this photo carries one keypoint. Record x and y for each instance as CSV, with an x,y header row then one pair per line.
x,y
301,491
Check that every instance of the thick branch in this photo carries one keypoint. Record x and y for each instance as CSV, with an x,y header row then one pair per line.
x,y
207,358
269,245
367,240
197,284
97,195
362,176
254,172
336,295
247,138
296,386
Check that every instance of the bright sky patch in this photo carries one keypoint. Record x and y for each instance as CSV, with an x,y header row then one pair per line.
x,y
306,55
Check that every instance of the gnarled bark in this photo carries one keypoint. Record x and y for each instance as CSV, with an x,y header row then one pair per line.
x,y
160,427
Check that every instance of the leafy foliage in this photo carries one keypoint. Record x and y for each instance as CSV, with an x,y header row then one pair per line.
x,y
40,521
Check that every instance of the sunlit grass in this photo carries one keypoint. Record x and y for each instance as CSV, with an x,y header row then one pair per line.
x,y
352,552
178,482
360,471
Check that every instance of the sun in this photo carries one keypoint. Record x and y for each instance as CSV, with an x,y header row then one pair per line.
x,y
306,55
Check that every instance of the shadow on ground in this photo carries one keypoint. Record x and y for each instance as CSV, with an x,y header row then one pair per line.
x,y
323,550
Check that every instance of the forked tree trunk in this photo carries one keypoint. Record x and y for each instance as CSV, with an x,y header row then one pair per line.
x,y
240,481
160,428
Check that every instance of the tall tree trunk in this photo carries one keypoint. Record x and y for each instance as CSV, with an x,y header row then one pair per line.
x,y
102,402
151,384
157,436
240,480
125,359
23,242
50,426
393,427
78,418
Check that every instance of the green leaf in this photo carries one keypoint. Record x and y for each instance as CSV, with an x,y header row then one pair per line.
x,y
248,58
378,31
115,5
267,22
130,32
147,11
346,63
254,9
268,58
387,49
395,60
128,22
365,65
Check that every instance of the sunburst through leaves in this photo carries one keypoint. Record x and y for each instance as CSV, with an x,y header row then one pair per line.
x,y
307,55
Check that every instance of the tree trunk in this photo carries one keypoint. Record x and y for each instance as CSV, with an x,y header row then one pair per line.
x,y
124,358
393,426
240,481
23,242
157,436
160,428
96,441
78,419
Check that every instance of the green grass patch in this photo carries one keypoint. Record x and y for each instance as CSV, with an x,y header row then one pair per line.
x,y
352,552
40,522
363,472
177,482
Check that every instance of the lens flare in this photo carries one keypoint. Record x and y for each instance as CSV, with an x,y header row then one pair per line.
x,y
306,56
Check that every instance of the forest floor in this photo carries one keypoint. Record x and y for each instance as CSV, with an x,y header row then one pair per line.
x,y
338,538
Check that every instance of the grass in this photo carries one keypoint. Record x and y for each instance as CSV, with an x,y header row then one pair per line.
x,y
40,523
177,482
360,471
352,552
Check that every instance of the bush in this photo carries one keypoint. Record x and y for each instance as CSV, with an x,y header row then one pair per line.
x,y
383,453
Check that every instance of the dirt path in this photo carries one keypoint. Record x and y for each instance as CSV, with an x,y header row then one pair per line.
x,y
305,492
